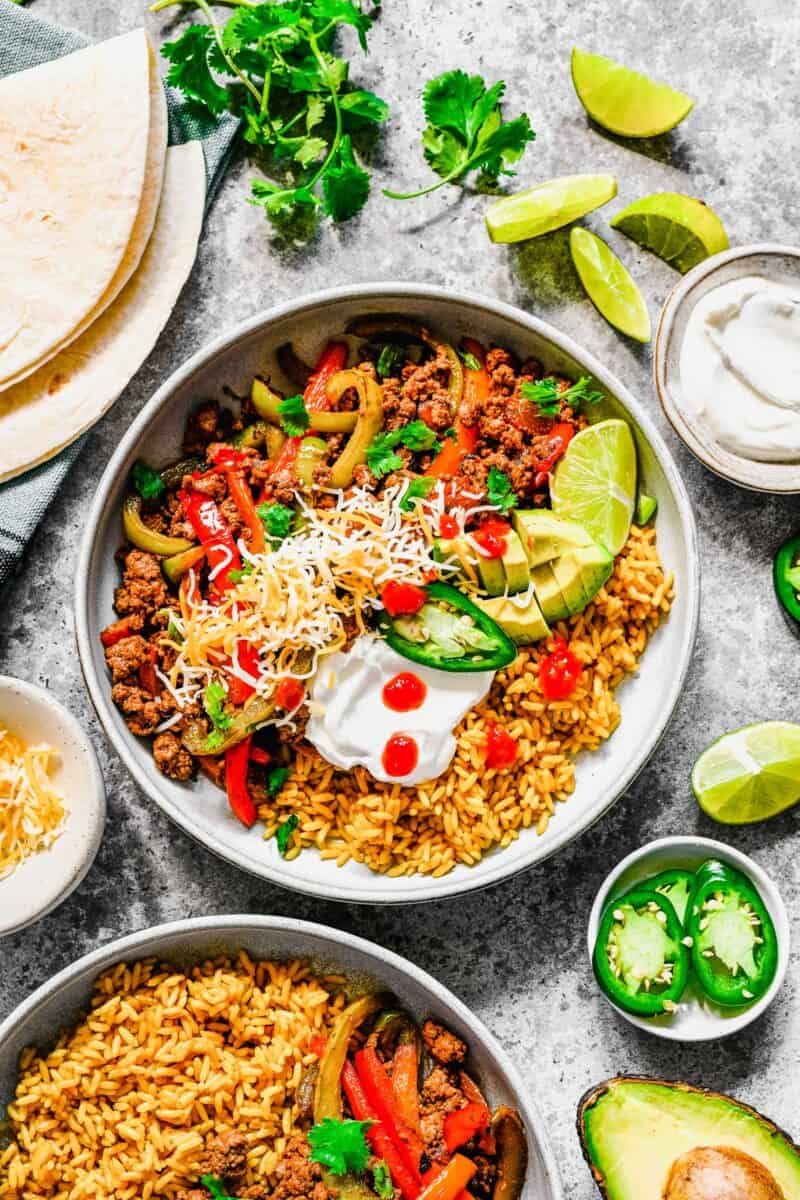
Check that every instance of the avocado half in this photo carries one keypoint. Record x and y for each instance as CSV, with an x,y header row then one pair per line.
x,y
633,1129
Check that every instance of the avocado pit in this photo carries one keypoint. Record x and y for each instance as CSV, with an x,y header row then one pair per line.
x,y
720,1173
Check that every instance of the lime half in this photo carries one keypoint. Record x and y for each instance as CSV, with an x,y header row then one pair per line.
x,y
609,286
623,101
595,482
751,774
681,230
548,206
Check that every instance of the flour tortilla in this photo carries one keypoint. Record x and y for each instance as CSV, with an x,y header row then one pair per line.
x,y
145,217
73,146
48,410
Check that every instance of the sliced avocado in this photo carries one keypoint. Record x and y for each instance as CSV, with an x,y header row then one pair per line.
x,y
633,1131
457,550
545,535
548,592
491,574
515,564
581,573
524,625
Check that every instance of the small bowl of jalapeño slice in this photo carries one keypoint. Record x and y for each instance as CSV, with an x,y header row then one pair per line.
x,y
689,939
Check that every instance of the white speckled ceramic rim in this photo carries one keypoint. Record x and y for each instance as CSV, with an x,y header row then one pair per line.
x,y
779,261
492,868
44,880
59,1001
658,856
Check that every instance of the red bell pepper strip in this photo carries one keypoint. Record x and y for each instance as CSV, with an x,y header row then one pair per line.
x,y
116,632
250,661
147,674
407,1181
449,1183
213,531
233,463
559,438
239,798
329,363
378,1087
405,1071
476,389
462,1125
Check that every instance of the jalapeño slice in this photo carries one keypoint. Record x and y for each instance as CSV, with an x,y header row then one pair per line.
x,y
640,959
734,944
449,633
676,884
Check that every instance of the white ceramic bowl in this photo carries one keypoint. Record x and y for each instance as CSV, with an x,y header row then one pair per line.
x,y
647,699
697,1019
777,262
63,998
42,881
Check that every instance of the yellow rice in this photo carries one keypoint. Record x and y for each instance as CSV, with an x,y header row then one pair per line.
x,y
122,1107
458,817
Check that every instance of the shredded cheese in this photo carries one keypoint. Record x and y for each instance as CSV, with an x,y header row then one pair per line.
x,y
32,812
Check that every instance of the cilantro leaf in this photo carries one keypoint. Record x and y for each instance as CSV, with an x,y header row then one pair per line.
x,y
469,360
283,833
390,360
237,575
544,394
417,489
214,703
277,519
580,393
249,25
381,457
344,12
276,779
310,150
382,1180
419,436
190,71
498,491
293,413
146,480
466,131
345,187
215,1187
340,1145
365,105
451,433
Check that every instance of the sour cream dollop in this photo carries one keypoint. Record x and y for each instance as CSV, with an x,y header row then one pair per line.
x,y
740,367
350,724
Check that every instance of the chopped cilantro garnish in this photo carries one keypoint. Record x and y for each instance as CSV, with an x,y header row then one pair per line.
x,y
276,779
466,131
469,360
382,1180
284,833
418,489
498,491
451,433
545,393
340,1145
277,519
146,480
382,458
215,1187
237,575
390,360
293,413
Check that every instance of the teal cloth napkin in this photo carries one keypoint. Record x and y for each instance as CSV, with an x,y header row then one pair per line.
x,y
26,41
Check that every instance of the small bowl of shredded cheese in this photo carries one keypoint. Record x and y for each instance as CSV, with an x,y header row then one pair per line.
x,y
52,803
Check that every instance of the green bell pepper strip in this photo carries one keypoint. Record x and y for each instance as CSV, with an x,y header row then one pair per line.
x,y
499,651
512,1154
266,402
734,943
141,535
172,476
786,578
311,452
640,959
676,884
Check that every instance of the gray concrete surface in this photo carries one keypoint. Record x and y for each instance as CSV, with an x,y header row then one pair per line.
x,y
516,953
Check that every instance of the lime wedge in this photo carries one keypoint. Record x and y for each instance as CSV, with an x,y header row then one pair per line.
x,y
548,206
681,230
751,774
595,482
623,101
609,286
646,508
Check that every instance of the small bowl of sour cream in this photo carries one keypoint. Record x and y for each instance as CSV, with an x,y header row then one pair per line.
x,y
727,365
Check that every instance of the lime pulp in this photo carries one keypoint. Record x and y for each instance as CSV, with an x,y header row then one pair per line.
x,y
750,774
595,482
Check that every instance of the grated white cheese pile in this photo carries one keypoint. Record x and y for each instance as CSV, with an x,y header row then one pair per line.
x,y
31,810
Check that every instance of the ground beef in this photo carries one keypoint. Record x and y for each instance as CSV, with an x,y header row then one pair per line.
x,y
171,758
231,514
483,1181
443,1045
282,485
501,372
440,1095
208,423
178,524
126,656
213,485
143,712
143,589
298,1177
398,408
226,1157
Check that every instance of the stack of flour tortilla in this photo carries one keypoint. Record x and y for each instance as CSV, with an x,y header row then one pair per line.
x,y
99,224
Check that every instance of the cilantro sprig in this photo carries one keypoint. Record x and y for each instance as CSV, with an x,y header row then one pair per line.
x,y
294,417
214,700
277,519
146,480
418,489
499,492
466,131
382,456
273,66
340,1145
548,397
